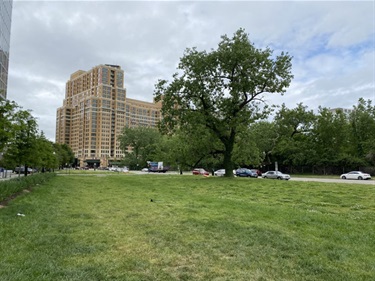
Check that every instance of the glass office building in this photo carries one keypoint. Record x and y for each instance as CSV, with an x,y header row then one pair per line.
x,y
5,22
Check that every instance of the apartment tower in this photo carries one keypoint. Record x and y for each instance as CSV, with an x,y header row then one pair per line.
x,y
95,111
5,22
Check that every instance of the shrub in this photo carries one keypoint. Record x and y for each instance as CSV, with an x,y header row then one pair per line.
x,y
11,187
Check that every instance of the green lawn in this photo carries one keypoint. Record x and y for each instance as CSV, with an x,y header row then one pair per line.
x,y
172,227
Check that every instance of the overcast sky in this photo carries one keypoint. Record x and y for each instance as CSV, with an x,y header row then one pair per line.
x,y
332,44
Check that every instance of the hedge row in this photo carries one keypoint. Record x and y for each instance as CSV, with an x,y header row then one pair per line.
x,y
9,188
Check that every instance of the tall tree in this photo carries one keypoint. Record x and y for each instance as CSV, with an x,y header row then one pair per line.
x,y
192,147
63,154
246,152
21,146
223,89
293,128
331,135
265,135
7,115
362,122
44,154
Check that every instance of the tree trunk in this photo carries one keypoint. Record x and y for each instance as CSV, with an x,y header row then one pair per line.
x,y
228,164
26,170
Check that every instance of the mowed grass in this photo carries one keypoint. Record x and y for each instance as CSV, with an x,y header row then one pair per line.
x,y
172,227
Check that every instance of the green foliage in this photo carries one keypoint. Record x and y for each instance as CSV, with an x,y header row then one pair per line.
x,y
331,134
293,128
298,137
362,122
222,91
63,154
246,152
15,185
140,144
7,109
20,142
46,157
192,147
265,135
21,146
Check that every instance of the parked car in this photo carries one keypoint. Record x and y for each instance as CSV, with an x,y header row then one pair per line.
x,y
21,170
220,172
200,171
355,175
257,171
276,175
243,172
145,170
119,169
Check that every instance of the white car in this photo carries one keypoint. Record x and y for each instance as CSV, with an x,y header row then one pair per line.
x,y
220,172
145,170
355,175
119,169
275,175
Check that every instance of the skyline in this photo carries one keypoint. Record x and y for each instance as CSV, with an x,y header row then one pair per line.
x,y
332,44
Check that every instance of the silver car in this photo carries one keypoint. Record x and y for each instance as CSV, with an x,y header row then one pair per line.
x,y
220,172
275,175
356,175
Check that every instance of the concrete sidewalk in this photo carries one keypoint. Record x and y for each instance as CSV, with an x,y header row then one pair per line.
x,y
7,175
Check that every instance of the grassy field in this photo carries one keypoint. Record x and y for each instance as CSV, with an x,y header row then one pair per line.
x,y
160,227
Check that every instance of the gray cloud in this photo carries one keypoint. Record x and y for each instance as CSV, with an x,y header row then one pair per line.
x,y
332,44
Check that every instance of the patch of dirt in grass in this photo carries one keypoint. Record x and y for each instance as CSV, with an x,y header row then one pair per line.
x,y
5,202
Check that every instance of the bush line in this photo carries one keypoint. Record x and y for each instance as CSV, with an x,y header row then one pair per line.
x,y
10,188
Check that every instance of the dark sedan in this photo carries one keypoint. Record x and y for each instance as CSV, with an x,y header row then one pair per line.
x,y
243,172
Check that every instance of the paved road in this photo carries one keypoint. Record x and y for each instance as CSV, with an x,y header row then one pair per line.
x,y
338,180
371,182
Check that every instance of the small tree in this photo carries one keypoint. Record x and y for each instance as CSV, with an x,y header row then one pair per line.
x,y
45,155
139,145
191,147
63,154
7,111
223,90
21,145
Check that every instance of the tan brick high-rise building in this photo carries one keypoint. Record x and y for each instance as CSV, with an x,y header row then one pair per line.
x,y
94,112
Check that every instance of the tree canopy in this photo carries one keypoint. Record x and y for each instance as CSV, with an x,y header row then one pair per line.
x,y
21,144
139,144
223,91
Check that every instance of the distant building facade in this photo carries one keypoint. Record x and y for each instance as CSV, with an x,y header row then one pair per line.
x,y
346,111
95,111
5,23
